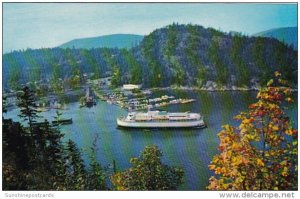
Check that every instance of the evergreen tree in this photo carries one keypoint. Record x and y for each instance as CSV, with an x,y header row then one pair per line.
x,y
258,52
116,77
76,178
214,54
135,70
28,108
51,154
242,71
15,162
95,176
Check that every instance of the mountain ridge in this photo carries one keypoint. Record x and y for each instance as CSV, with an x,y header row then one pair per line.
x,y
104,41
286,35
180,55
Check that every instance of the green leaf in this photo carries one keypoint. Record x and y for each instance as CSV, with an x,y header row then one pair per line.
x,y
270,82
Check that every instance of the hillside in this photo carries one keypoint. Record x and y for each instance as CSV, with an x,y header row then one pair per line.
x,y
176,55
287,35
107,41
196,56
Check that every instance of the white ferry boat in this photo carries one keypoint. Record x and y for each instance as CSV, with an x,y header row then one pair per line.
x,y
161,119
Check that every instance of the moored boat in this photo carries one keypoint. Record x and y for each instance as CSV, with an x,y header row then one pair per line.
x,y
62,121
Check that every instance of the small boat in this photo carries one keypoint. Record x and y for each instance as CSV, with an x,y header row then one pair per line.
x,y
40,123
184,101
42,109
62,121
89,99
175,101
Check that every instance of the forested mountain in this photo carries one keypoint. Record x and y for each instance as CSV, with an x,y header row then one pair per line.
x,y
187,55
288,35
106,41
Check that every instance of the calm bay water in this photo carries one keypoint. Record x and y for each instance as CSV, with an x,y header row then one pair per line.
x,y
191,149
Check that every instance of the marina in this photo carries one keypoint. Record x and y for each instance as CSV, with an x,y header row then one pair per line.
x,y
139,101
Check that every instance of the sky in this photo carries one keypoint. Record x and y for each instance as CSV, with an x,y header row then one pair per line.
x,y
41,25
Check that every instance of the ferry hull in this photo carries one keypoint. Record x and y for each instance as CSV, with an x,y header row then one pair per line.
x,y
153,124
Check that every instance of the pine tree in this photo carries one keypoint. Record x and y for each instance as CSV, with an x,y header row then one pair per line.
x,y
96,175
28,108
116,76
15,162
76,178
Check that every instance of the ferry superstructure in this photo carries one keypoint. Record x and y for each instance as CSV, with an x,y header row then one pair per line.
x,y
161,119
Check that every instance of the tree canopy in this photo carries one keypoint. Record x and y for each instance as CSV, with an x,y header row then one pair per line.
x,y
148,173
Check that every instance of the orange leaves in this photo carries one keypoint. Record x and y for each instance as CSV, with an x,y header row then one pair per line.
x,y
242,115
252,106
276,97
211,166
262,151
247,124
291,131
221,148
273,127
219,184
218,170
247,121
259,113
252,137
212,183
228,128
288,99
215,160
260,162
288,132
242,160
287,91
235,146
285,171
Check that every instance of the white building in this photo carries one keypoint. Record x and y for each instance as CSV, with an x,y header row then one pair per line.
x,y
131,86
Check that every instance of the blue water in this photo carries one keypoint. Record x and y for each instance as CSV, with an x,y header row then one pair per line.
x,y
190,149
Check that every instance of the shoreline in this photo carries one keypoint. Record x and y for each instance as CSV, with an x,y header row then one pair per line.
x,y
201,89
184,88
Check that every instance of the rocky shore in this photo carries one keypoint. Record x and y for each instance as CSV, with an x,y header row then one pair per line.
x,y
213,86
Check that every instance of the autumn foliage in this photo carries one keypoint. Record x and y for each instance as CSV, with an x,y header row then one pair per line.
x,y
261,153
